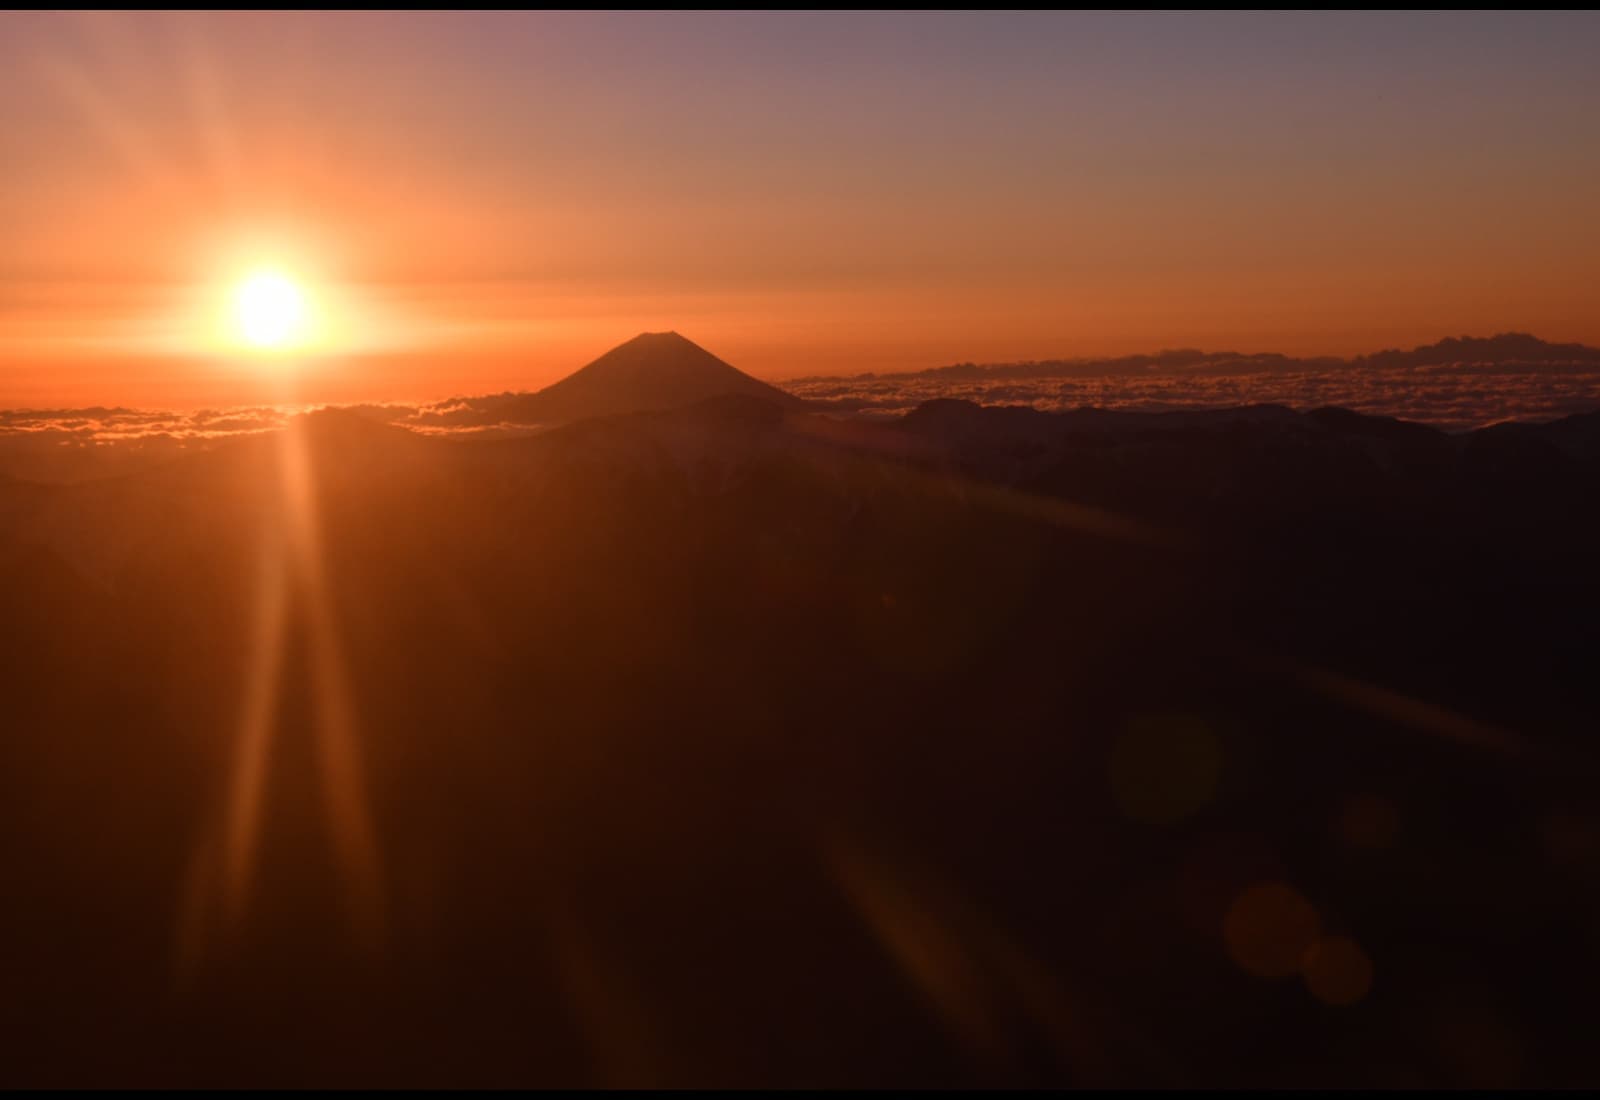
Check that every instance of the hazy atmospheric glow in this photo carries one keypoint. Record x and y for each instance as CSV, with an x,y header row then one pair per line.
x,y
485,201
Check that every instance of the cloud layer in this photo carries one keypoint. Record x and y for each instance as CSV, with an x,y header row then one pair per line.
x,y
1451,396
69,444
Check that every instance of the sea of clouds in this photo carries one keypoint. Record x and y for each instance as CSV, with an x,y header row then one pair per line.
x,y
63,444
1453,397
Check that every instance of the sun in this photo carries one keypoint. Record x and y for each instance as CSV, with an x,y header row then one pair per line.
x,y
270,311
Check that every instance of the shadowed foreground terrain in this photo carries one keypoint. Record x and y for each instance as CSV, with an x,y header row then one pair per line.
x,y
735,744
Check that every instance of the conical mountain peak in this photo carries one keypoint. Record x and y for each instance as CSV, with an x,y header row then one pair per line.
x,y
654,370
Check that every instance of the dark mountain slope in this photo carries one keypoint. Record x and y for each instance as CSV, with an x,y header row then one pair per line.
x,y
733,745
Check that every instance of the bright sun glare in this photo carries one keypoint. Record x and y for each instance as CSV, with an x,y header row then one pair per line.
x,y
270,311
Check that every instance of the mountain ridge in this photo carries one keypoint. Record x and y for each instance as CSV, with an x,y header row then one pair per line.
x,y
1501,348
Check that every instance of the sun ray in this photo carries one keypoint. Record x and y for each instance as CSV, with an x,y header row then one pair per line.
x,y
255,735
344,788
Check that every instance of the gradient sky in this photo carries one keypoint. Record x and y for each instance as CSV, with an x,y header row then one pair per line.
x,y
488,201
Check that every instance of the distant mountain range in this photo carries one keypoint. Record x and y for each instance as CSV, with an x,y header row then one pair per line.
x,y
658,371
663,370
1500,350
1457,384
1507,347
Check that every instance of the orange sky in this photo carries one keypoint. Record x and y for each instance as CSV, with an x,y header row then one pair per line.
x,y
486,202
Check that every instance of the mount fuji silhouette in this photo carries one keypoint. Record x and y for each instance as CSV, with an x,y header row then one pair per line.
x,y
653,371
